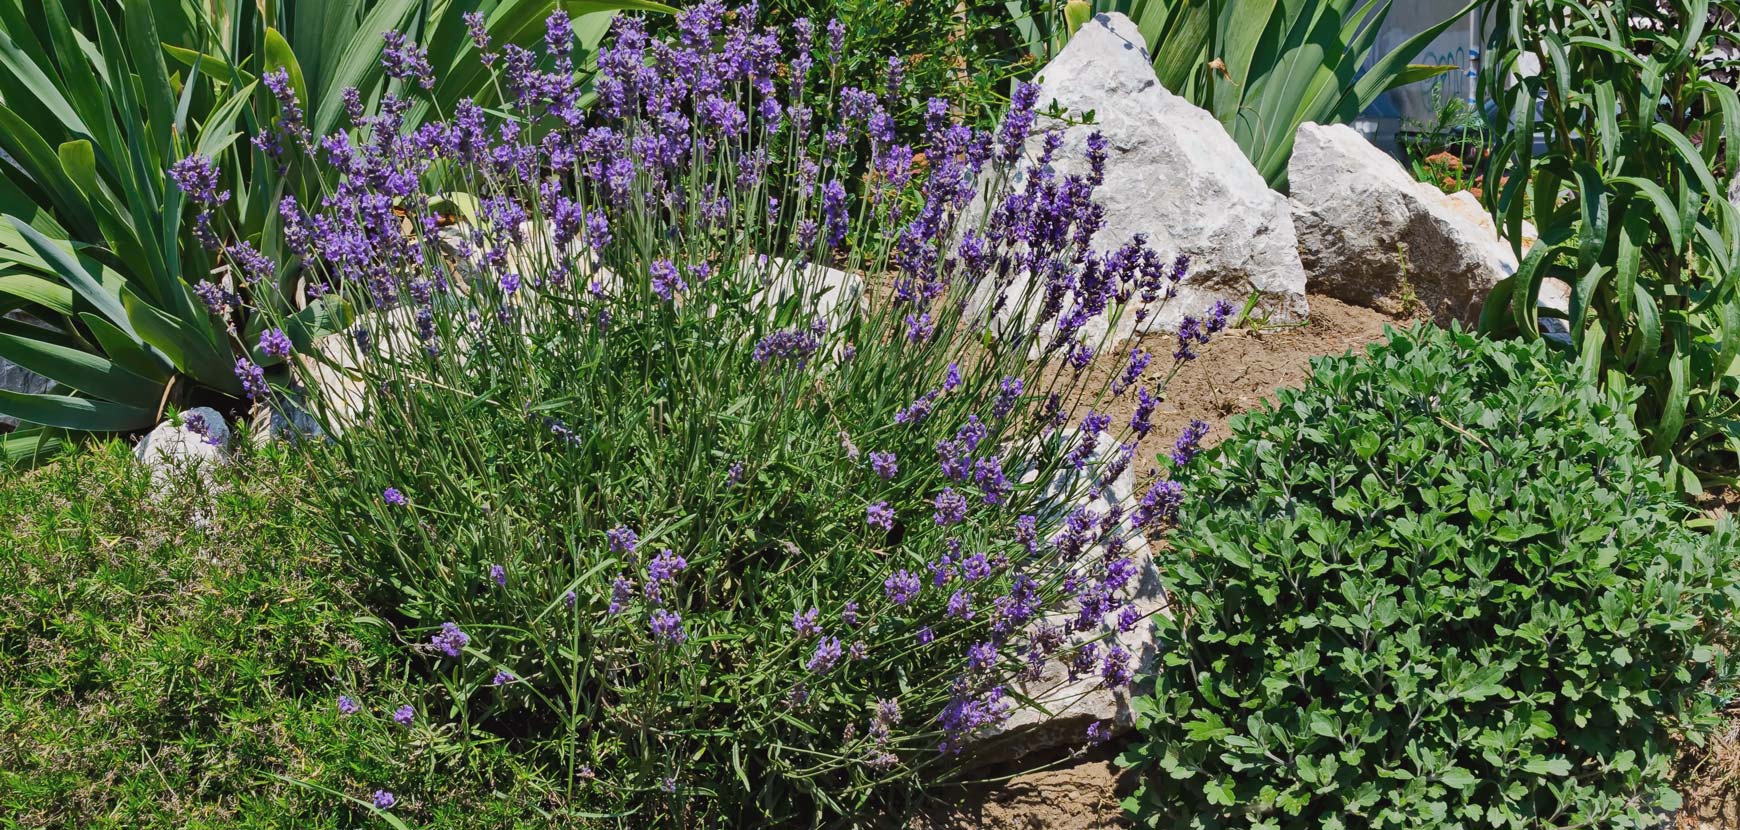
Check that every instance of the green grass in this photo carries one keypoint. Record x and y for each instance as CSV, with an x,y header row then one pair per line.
x,y
172,659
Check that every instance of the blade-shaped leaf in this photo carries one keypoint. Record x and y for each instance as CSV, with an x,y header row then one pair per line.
x,y
187,349
70,270
33,289
91,374
83,414
278,56
128,350
360,60
147,51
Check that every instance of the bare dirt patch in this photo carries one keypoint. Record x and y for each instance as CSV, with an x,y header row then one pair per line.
x,y
1083,795
1246,365
1710,781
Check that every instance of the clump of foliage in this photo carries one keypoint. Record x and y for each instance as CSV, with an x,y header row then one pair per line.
x,y
716,531
1449,148
172,654
960,51
1633,128
1446,172
146,284
1436,587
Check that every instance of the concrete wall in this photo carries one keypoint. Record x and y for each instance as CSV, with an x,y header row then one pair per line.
x,y
1458,46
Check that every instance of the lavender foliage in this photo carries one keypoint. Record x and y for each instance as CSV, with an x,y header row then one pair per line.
x,y
642,266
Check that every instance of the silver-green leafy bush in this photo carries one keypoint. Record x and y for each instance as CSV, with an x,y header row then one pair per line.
x,y
1439,586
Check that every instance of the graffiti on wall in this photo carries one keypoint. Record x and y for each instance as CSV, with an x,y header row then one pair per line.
x,y
1456,47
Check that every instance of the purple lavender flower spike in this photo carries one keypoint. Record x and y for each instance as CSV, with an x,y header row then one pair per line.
x,y
621,594
1138,364
981,656
951,507
479,33
666,566
254,266
1159,506
1116,670
1008,391
1098,733
805,622
1139,418
274,343
668,625
403,59
1017,123
451,640
197,177
902,588
961,605
826,656
884,464
622,539
253,379
879,515
666,281
1189,443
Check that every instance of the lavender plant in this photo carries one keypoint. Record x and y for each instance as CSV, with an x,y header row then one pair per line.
x,y
716,528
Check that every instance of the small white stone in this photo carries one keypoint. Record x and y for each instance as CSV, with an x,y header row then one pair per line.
x,y
16,378
173,446
826,293
1062,709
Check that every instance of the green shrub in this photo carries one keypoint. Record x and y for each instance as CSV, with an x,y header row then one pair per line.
x,y
171,657
1436,587
1621,148
950,49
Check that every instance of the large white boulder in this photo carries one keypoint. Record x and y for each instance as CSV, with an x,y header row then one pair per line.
x,y
1173,174
1373,236
1063,706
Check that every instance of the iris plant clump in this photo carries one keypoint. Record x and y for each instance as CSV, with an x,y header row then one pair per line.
x,y
728,523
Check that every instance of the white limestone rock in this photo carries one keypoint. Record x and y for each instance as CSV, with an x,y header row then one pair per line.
x,y
826,293
1371,235
16,378
1172,174
1062,709
173,447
